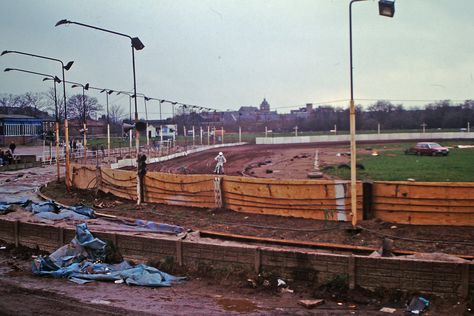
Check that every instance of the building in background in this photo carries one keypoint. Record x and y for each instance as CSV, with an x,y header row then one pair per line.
x,y
22,129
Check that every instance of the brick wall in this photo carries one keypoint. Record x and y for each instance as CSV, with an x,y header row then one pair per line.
x,y
441,278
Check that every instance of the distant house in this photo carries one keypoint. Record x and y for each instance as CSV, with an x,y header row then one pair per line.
x,y
19,128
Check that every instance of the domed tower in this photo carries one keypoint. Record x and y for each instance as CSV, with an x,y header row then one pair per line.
x,y
264,106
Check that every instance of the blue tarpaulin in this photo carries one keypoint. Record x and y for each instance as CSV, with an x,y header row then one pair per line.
x,y
83,259
50,210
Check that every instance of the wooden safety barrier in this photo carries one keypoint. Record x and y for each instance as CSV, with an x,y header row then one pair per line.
x,y
178,189
328,200
420,203
424,203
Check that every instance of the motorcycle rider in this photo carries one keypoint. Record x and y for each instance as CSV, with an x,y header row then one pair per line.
x,y
220,163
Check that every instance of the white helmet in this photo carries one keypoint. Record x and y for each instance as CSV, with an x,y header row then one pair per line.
x,y
220,153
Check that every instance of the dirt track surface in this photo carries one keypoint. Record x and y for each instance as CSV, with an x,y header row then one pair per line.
x,y
263,161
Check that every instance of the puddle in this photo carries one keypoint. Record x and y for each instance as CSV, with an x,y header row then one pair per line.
x,y
237,305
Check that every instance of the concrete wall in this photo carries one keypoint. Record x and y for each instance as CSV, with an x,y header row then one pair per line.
x,y
433,277
363,137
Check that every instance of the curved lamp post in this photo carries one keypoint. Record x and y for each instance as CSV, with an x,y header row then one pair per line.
x,y
130,109
107,93
84,87
66,127
55,80
138,45
386,8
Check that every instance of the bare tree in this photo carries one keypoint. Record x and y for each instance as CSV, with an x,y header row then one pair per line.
x,y
76,109
116,113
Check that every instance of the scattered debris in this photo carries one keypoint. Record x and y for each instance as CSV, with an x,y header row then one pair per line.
x,y
418,305
311,303
375,153
393,227
281,283
286,290
252,283
411,180
85,259
388,310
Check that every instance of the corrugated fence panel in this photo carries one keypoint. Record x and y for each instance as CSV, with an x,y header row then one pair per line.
x,y
178,189
83,176
121,183
299,198
424,203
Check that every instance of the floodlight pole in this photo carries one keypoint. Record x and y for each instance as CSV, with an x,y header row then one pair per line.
x,y
66,127
135,44
383,4
84,87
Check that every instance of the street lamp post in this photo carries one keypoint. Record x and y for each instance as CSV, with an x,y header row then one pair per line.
x,y
66,127
55,80
107,93
130,111
386,8
138,45
84,87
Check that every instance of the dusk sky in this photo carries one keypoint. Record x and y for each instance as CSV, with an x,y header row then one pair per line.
x,y
230,53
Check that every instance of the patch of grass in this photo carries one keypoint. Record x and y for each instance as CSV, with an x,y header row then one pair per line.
x,y
394,165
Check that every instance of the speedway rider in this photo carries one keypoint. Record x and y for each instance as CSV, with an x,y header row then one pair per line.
x,y
220,163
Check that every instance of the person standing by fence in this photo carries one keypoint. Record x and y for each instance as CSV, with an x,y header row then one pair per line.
x,y
12,147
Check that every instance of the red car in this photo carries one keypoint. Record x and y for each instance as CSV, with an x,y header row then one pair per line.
x,y
432,149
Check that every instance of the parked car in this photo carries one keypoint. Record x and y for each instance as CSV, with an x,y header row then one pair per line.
x,y
432,149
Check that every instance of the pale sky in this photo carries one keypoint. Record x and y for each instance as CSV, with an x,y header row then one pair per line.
x,y
225,54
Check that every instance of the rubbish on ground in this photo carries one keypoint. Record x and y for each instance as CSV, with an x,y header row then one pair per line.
x,y
393,227
3,247
411,180
286,290
84,258
340,304
375,153
160,227
465,146
280,282
388,310
311,303
103,302
418,305
252,283
49,210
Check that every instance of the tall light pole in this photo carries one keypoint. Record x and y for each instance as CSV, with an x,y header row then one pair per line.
x,y
107,93
135,44
130,109
84,113
145,98
66,127
386,8
55,80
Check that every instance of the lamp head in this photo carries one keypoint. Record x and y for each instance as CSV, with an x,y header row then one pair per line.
x,y
387,8
75,86
103,90
147,98
68,65
161,101
7,69
86,87
63,21
137,44
110,92
57,79
5,52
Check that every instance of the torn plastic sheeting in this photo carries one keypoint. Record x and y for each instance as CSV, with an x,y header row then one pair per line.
x,y
160,227
50,210
80,259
